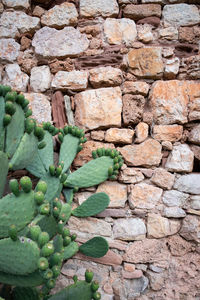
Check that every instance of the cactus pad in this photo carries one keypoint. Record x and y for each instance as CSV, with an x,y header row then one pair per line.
x,y
96,247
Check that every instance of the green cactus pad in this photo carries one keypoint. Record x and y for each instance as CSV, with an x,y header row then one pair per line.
x,y
15,130
68,150
70,250
96,247
68,194
92,206
11,258
21,293
58,243
46,223
2,130
25,152
53,187
46,154
36,166
90,174
3,171
80,290
16,210
33,279
65,212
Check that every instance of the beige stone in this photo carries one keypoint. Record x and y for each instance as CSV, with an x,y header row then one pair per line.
x,y
181,159
133,107
172,68
105,77
163,179
145,34
144,196
159,227
132,275
175,198
117,193
104,8
194,135
171,133
60,16
131,229
174,212
15,78
141,132
146,62
179,246
40,79
119,135
169,33
98,135
190,228
74,80
120,31
141,11
145,154
189,183
9,50
17,4
40,106
135,88
129,267
98,108
130,175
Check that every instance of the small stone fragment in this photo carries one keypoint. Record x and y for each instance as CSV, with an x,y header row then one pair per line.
x,y
129,229
135,88
74,80
15,78
163,179
119,135
145,34
194,135
105,77
98,135
16,3
131,275
171,133
9,50
190,228
172,68
195,202
40,79
174,212
133,107
130,175
8,31
140,11
141,132
104,8
169,33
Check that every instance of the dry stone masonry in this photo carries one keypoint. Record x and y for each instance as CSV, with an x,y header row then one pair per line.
x,y
128,73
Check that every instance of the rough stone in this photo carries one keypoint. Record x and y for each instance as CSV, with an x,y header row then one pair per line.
x,y
40,106
8,31
163,179
60,16
189,34
117,193
174,198
111,258
159,227
146,62
190,67
104,8
178,246
105,77
120,31
98,135
169,33
15,78
171,133
16,3
135,88
38,11
9,50
71,42
80,197
23,22
166,145
172,68
119,135
27,60
181,159
74,80
140,11
130,175
141,132
157,281
188,183
135,287
98,108
190,229
194,105
145,34
195,202
144,196
131,275
194,135
131,229
174,212
40,79
133,107
181,15
145,154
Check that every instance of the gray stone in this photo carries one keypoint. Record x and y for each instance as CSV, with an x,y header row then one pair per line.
x,y
15,78
40,79
172,68
180,159
174,212
169,33
195,202
74,80
40,106
190,229
157,281
104,8
17,3
22,21
69,112
188,183
135,287
131,229
9,50
71,42
8,31
194,135
60,16
174,198
181,14
163,179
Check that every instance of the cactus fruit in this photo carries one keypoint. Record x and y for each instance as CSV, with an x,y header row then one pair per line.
x,y
34,238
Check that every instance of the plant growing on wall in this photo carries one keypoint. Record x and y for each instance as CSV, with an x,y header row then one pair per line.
x,y
34,237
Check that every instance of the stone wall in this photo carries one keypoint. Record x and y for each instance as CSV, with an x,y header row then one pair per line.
x,y
127,72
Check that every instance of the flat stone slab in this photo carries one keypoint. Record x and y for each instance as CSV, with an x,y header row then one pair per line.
x,y
104,8
74,80
50,42
9,50
17,3
188,183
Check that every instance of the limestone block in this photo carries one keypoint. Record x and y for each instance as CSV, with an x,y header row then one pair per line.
x,y
105,77
174,212
194,135
141,11
130,175
141,132
145,34
16,3
131,229
10,31
135,88
133,108
172,68
15,78
9,50
74,80
171,133
104,8
174,198
191,228
188,183
163,179
169,33
119,135
40,79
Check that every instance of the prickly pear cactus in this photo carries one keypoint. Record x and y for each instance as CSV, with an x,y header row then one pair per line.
x,y
34,237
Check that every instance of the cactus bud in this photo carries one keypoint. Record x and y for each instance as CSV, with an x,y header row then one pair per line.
x,y
66,241
43,263
60,137
47,274
73,131
5,89
46,125
115,160
51,283
26,184
108,152
63,177
34,232
75,278
88,276
112,154
41,186
96,296
80,147
6,120
66,232
58,171
43,238
44,209
29,125
60,226
113,177
11,96
94,286
51,129
12,232
94,154
20,99
42,145
116,166
56,271
65,129
39,197
39,133
52,170
25,103
110,171
28,113
73,237
56,259
14,187
56,212
57,203
99,152
47,249
70,127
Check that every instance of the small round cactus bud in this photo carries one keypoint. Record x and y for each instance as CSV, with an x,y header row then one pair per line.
x,y
39,133
63,177
52,170
107,152
115,160
25,103
28,113
116,166
5,89
80,148
65,129
75,278
26,184
39,197
43,238
51,129
66,241
51,283
47,274
73,131
112,154
56,271
99,152
46,125
94,286
42,145
66,232
41,186
113,177
76,188
57,203
73,237
60,137
6,120
62,163
44,209
96,296
70,127
14,187
11,96
43,263
20,99
110,171
56,212
115,172
88,276
34,232
12,232
121,162
58,171
60,226
47,249
94,154
56,259
29,125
